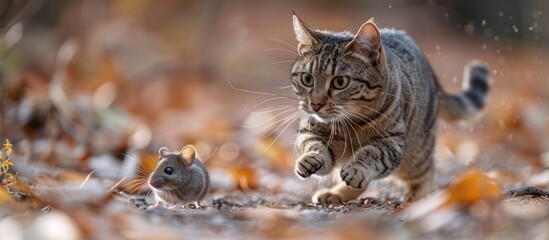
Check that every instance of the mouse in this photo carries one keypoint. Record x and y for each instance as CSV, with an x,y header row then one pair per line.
x,y
178,178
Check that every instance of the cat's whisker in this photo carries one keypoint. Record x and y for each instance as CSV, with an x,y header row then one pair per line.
x,y
348,134
258,92
367,122
274,109
284,42
330,138
370,123
377,111
354,130
346,127
357,115
285,69
249,91
283,120
285,87
283,61
280,134
350,127
344,138
281,49
268,109
268,120
204,160
271,99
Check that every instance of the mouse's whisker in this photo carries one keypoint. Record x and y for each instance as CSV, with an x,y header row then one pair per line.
x,y
134,184
117,184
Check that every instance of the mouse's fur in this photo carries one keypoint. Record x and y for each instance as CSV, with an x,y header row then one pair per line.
x,y
179,178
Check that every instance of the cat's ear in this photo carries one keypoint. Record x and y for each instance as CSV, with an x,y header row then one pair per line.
x,y
188,153
306,37
367,41
163,151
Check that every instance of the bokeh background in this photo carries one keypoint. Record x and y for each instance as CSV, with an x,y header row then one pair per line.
x,y
90,89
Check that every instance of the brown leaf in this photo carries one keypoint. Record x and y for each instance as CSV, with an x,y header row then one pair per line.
x,y
244,178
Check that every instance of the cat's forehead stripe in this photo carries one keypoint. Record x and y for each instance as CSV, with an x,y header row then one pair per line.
x,y
330,68
360,57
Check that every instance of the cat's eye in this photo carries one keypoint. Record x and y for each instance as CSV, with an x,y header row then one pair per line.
x,y
168,170
340,82
307,80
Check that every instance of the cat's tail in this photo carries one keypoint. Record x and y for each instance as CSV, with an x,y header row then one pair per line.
x,y
473,97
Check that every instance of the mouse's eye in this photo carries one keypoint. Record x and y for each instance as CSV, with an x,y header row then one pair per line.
x,y
168,170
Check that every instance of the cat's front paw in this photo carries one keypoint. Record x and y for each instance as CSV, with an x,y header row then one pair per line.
x,y
311,163
354,175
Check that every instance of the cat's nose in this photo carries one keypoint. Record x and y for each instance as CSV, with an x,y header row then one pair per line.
x,y
153,184
316,106
317,100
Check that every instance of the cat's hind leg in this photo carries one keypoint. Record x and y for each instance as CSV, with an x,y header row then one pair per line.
x,y
419,183
338,194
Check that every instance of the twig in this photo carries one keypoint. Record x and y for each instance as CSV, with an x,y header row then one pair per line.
x,y
525,190
87,179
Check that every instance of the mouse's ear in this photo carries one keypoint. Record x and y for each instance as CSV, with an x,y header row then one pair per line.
x,y
163,151
188,153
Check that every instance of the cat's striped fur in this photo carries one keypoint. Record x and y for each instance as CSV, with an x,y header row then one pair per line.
x,y
372,101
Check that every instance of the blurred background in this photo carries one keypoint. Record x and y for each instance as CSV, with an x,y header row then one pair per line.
x,y
99,85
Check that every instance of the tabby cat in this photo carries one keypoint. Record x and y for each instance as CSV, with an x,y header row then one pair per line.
x,y
371,100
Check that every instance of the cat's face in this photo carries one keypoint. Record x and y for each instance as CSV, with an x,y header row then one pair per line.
x,y
336,75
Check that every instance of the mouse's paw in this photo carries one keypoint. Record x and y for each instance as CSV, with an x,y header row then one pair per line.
x,y
154,206
175,207
196,205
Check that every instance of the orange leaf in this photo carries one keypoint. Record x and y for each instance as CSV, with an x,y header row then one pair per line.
x,y
279,155
72,176
471,187
5,196
244,178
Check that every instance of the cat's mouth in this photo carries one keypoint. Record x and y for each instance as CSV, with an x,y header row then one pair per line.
x,y
321,118
319,115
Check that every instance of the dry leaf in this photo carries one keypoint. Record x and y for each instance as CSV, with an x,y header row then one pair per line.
x,y
278,154
5,197
468,189
244,178
471,187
